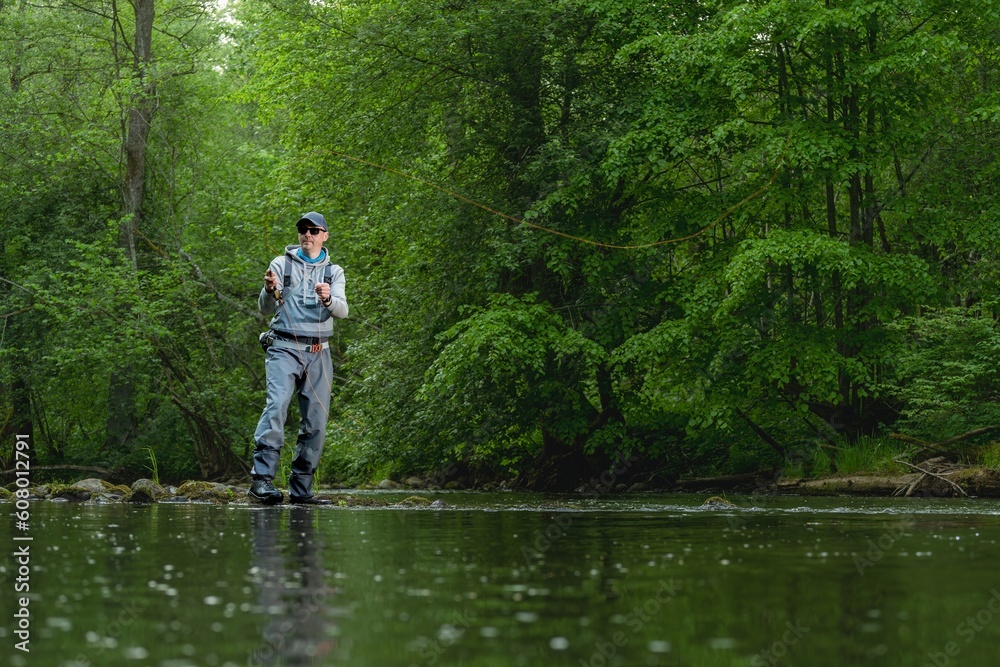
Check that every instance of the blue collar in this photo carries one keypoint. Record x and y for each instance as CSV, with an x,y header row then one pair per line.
x,y
305,258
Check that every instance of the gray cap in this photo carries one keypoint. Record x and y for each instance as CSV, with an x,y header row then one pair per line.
x,y
315,218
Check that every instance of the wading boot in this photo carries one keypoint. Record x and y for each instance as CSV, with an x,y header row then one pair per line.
x,y
310,500
263,491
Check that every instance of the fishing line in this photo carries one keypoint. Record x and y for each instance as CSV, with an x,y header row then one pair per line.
x,y
548,230
556,232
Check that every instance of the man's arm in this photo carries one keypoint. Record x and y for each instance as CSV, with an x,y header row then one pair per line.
x,y
337,303
266,303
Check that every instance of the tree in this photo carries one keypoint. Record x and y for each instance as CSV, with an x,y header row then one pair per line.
x,y
849,102
114,300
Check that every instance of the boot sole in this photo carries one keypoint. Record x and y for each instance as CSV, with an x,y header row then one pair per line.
x,y
266,500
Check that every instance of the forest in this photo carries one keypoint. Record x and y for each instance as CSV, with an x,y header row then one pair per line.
x,y
701,237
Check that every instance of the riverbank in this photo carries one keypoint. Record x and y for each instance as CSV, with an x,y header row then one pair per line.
x,y
973,482
146,491
930,479
503,574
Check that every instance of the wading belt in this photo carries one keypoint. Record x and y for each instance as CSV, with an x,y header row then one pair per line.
x,y
303,347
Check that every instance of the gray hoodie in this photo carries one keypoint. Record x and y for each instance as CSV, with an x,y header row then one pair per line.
x,y
303,314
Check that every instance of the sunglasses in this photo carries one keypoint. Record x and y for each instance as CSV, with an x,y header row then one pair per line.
x,y
315,231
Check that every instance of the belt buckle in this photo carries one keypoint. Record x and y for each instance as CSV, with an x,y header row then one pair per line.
x,y
316,347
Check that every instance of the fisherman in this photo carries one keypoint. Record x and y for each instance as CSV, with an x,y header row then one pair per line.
x,y
304,291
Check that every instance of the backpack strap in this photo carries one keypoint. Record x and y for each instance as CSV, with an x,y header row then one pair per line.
x,y
327,273
288,272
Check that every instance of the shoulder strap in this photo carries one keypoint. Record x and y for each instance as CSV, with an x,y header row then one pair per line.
x,y
327,273
288,272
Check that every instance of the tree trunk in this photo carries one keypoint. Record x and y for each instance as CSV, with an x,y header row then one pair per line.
x,y
140,115
123,423
15,68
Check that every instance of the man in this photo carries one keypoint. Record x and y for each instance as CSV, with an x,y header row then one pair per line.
x,y
305,292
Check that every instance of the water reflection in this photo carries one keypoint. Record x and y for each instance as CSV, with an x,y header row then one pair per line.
x,y
645,581
293,592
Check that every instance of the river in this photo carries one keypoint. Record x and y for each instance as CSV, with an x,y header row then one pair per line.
x,y
510,580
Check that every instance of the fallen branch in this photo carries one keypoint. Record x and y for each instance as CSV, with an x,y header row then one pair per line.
x,y
920,443
910,487
761,433
939,447
932,474
910,439
971,434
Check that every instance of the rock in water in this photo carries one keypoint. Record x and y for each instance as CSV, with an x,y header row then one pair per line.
x,y
414,501
147,491
208,491
141,496
720,502
85,489
93,486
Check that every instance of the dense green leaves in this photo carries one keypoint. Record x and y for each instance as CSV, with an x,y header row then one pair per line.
x,y
513,366
741,210
947,371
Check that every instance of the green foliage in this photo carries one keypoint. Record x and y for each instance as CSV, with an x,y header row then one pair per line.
x,y
512,367
109,336
822,177
624,124
947,371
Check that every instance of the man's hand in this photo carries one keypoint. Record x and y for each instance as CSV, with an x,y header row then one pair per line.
x,y
323,292
270,281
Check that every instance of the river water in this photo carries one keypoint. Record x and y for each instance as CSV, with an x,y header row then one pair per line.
x,y
511,579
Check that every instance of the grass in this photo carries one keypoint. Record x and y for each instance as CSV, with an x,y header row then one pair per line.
x,y
869,454
153,469
991,456
875,455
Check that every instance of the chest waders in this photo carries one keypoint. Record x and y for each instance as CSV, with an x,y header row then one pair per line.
x,y
294,365
287,280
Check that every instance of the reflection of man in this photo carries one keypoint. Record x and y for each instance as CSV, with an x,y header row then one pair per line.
x,y
305,292
293,591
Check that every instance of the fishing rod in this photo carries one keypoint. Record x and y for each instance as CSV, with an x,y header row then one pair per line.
x,y
556,232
